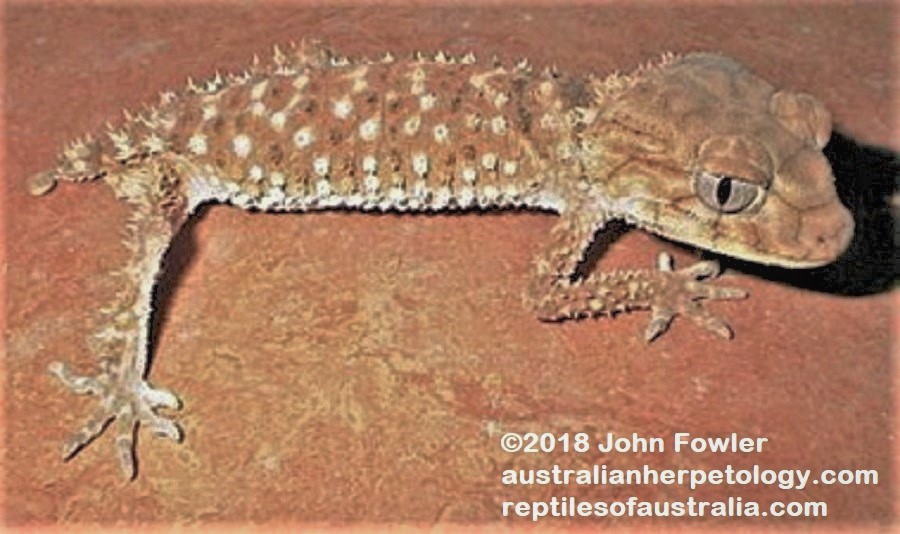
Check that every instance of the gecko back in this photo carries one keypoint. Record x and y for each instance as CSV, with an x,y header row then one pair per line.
x,y
313,130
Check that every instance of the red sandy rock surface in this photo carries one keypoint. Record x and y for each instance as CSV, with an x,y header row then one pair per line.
x,y
347,368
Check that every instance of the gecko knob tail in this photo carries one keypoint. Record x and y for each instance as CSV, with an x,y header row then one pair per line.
x,y
41,183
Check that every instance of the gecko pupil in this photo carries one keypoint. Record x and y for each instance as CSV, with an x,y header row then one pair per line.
x,y
723,190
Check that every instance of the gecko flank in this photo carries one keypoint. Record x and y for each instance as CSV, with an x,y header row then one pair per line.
x,y
693,148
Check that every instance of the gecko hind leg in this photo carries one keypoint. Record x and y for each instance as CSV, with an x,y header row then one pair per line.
x,y
130,403
158,192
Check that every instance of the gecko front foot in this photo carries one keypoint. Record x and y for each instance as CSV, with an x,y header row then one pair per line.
x,y
679,293
130,402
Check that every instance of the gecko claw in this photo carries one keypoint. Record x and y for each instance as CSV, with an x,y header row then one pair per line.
x,y
680,292
659,323
131,403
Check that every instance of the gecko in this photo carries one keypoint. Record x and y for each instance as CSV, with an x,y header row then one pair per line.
x,y
694,148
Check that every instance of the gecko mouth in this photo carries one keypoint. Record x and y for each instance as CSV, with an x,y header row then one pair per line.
x,y
821,236
810,239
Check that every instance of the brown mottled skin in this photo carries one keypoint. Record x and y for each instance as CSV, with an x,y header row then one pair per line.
x,y
693,148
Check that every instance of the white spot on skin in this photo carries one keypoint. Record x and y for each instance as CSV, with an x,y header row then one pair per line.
x,y
466,197
153,143
411,126
397,194
500,100
120,139
473,121
489,161
420,163
255,173
511,191
278,120
122,143
292,103
418,75
479,80
510,167
370,164
340,61
323,188
242,145
343,108
442,197
441,133
371,183
273,198
498,125
420,190
368,130
303,137
277,179
359,85
427,102
546,89
549,121
209,112
259,90
300,82
258,109
469,175
321,165
491,193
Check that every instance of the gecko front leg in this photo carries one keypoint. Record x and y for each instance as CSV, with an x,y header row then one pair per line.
x,y
556,295
124,395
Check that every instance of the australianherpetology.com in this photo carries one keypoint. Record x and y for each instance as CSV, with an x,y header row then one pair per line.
x,y
694,148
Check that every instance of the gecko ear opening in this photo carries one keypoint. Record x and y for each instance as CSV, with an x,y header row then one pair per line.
x,y
803,115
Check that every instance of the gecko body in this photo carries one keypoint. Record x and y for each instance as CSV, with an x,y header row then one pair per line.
x,y
694,148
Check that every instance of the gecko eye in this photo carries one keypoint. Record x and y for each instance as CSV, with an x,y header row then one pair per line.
x,y
726,194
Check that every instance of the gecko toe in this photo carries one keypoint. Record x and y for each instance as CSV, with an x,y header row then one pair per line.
x,y
706,320
659,322
727,293
159,397
82,385
702,270
91,428
699,290
161,426
124,444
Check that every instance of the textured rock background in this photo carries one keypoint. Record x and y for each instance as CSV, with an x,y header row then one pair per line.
x,y
349,368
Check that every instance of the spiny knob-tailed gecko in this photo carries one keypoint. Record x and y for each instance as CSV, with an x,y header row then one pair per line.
x,y
694,148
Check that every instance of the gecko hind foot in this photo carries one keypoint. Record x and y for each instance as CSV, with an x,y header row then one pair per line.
x,y
131,404
680,293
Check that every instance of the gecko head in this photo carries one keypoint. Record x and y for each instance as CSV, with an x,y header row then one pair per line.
x,y
700,150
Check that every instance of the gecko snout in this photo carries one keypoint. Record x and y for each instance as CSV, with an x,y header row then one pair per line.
x,y
826,233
